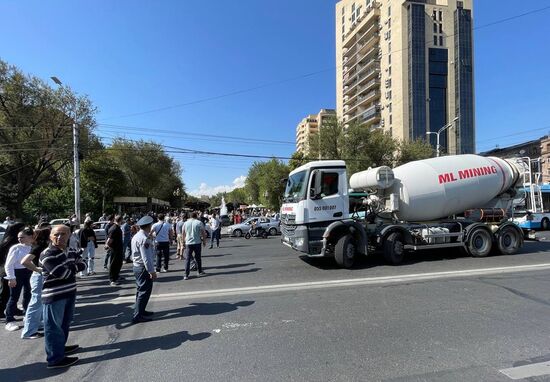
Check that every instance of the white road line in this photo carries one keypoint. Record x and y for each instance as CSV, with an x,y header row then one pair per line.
x,y
331,284
527,371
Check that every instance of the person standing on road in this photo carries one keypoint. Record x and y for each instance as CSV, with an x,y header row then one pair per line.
x,y
33,315
19,277
88,243
111,221
144,269
193,235
179,238
127,239
10,239
163,235
216,226
114,248
59,268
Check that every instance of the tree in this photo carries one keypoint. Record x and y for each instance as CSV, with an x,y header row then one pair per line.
x,y
146,169
414,150
298,159
264,183
36,133
328,141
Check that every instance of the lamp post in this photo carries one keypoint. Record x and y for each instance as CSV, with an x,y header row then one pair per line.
x,y
438,146
76,160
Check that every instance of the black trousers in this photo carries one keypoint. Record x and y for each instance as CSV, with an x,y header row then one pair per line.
x,y
144,286
163,254
115,258
191,249
4,291
23,283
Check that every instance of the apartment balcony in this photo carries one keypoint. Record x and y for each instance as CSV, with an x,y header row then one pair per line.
x,y
361,24
361,77
362,100
361,52
361,90
371,114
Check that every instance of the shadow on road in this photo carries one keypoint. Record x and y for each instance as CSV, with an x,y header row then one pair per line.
x,y
117,350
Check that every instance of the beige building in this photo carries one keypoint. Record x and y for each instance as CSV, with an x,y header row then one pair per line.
x,y
311,125
406,66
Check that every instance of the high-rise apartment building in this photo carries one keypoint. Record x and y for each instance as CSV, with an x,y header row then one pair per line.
x,y
406,66
311,125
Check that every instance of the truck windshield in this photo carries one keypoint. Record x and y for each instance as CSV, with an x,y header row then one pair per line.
x,y
296,187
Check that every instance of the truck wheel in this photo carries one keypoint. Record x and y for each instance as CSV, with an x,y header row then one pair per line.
x,y
344,252
238,233
480,242
394,248
509,240
545,224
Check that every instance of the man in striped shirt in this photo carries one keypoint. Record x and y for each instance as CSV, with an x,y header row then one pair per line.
x,y
59,267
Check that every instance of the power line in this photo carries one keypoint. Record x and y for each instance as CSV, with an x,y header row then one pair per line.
x,y
306,75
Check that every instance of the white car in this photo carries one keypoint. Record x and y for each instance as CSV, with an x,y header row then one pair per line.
x,y
99,230
272,226
59,222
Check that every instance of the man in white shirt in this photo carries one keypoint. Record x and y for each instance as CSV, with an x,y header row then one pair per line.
x,y
163,235
216,225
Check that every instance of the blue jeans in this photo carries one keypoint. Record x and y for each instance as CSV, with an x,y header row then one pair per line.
x,y
22,278
57,320
33,317
144,286
126,247
215,236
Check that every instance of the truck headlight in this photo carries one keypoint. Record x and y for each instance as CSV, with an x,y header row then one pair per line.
x,y
299,241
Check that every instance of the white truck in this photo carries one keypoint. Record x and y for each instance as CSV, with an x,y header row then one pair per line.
x,y
412,207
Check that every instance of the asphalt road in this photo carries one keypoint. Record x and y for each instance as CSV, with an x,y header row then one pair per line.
x,y
263,313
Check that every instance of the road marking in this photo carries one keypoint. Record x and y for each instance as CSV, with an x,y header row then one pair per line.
x,y
194,295
527,371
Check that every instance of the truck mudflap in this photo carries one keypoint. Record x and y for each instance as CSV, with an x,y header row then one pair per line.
x,y
340,228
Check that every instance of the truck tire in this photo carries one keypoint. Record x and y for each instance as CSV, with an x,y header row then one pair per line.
x,y
344,252
545,224
509,240
480,241
394,248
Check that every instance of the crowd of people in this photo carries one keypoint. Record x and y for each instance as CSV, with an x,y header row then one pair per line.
x,y
40,266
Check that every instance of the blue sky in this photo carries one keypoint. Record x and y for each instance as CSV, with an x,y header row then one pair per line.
x,y
136,56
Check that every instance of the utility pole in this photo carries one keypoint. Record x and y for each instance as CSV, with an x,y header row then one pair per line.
x,y
76,159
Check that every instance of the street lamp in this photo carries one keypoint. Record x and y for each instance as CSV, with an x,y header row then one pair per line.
x,y
438,146
76,161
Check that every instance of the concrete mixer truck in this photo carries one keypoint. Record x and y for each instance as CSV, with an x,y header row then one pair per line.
x,y
463,201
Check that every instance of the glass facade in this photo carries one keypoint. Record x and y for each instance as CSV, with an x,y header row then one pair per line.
x,y
417,71
464,82
438,66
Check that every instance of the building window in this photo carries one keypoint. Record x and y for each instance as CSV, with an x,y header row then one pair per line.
x,y
389,46
343,28
440,28
389,59
389,71
391,119
440,15
441,40
434,15
389,10
435,40
435,27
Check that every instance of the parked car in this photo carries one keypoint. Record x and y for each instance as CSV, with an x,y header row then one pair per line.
x,y
99,229
2,230
272,226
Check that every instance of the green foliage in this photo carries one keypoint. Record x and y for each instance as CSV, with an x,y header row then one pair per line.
x,y
298,159
415,150
328,142
36,133
264,183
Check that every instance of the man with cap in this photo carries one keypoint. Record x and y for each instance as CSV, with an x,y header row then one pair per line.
x,y
144,268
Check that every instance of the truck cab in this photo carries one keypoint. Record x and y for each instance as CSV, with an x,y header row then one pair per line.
x,y
316,195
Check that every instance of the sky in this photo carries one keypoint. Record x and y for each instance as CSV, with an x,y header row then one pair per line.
x,y
237,77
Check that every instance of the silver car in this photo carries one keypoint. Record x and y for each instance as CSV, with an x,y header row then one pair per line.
x,y
2,230
272,226
99,230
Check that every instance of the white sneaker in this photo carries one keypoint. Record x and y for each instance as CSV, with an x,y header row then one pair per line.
x,y
12,327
